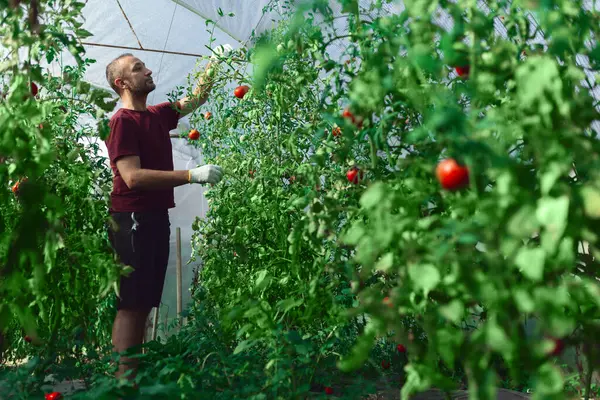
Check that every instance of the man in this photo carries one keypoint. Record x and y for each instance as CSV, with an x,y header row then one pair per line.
x,y
140,152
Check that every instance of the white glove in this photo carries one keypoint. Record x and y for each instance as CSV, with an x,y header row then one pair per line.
x,y
205,174
221,51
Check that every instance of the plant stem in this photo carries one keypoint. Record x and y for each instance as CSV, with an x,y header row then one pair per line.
x,y
588,379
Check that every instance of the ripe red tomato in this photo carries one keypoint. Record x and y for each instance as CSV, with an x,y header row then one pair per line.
x,y
328,390
53,396
194,134
251,173
451,175
388,302
353,175
240,91
355,120
207,115
559,346
34,89
463,71
401,348
27,338
336,131
385,364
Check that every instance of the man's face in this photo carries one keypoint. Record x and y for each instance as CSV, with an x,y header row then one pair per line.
x,y
136,77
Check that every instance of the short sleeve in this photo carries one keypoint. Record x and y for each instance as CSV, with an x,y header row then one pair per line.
x,y
168,113
123,139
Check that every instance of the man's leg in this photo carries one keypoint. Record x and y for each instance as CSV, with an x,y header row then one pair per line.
x,y
128,331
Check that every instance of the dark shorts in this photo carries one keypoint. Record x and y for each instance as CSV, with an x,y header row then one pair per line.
x,y
142,242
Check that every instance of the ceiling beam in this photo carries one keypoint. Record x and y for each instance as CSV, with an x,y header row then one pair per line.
x,y
179,53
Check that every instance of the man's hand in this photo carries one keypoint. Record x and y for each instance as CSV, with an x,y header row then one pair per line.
x,y
206,174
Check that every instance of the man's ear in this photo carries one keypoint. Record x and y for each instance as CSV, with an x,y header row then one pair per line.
x,y
120,84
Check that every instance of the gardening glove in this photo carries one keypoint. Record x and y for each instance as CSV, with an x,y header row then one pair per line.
x,y
205,174
221,51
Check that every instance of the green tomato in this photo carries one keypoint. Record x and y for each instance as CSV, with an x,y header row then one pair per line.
x,y
280,48
210,72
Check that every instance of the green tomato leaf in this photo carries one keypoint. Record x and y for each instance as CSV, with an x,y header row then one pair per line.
x,y
424,276
531,263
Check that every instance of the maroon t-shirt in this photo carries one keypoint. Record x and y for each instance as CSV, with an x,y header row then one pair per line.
x,y
144,134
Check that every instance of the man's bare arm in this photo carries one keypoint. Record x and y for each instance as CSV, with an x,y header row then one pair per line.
x,y
188,104
137,178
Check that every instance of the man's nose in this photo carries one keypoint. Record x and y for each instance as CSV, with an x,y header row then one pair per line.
x,y
149,72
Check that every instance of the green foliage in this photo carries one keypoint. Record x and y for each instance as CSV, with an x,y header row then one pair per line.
x,y
56,265
286,233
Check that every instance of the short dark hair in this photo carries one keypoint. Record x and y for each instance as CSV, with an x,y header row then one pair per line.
x,y
113,70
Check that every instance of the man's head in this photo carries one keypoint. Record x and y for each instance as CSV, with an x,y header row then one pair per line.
x,y
127,73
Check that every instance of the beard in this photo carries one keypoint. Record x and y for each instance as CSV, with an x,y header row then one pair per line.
x,y
143,88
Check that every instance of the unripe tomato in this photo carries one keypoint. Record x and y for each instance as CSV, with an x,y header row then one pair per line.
x,y
210,72
463,71
194,134
451,175
241,91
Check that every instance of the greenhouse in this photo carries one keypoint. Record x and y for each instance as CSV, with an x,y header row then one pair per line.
x,y
299,199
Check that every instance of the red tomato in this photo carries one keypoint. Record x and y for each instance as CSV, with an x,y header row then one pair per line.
x,y
240,91
401,348
207,115
53,396
463,71
328,390
353,175
385,364
451,175
336,131
251,173
34,89
387,301
292,179
559,346
355,120
27,338
194,134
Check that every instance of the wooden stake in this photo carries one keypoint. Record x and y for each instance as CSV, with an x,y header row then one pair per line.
x,y
155,324
179,300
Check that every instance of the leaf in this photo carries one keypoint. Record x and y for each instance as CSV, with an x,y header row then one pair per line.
x,y
424,276
287,304
549,380
448,344
591,201
262,279
531,263
354,234
552,214
550,177
359,353
373,195
453,311
385,263
497,339
243,345
524,222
